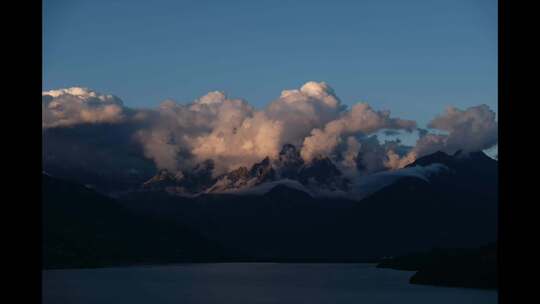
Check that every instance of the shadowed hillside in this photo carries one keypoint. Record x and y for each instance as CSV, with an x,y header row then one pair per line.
x,y
467,267
82,228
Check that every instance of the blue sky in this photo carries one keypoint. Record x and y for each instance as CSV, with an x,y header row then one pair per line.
x,y
414,58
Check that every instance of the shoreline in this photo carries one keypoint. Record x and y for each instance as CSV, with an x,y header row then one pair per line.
x,y
375,263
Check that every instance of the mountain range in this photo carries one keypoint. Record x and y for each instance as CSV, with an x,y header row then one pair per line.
x,y
280,209
83,228
321,173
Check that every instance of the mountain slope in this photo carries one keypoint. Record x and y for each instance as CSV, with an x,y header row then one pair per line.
x,y
454,208
82,228
97,155
457,267
319,174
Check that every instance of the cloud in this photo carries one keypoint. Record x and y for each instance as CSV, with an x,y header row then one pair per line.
x,y
179,135
232,133
469,130
395,161
76,105
361,119
300,111
252,140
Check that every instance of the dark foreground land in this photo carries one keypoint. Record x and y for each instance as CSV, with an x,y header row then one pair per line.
x,y
456,208
471,268
83,229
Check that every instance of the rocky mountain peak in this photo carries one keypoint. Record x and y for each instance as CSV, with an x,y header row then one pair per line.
x,y
437,157
321,170
163,179
192,181
238,174
263,170
290,155
289,162
320,173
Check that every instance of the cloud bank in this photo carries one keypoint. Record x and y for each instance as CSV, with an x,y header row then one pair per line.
x,y
76,105
469,130
233,133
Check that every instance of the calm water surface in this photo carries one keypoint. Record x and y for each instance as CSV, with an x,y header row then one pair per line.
x,y
248,283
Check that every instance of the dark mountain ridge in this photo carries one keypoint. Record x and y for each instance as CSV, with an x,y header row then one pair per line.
x,y
454,208
457,267
319,173
82,228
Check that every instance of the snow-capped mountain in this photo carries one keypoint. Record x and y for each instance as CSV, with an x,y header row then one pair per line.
x,y
285,208
441,200
189,182
319,174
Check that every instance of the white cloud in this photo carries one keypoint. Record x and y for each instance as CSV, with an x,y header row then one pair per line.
x,y
233,133
360,120
78,105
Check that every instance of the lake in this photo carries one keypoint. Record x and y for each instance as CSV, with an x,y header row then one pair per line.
x,y
248,283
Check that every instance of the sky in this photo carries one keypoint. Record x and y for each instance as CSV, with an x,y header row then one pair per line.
x,y
413,57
